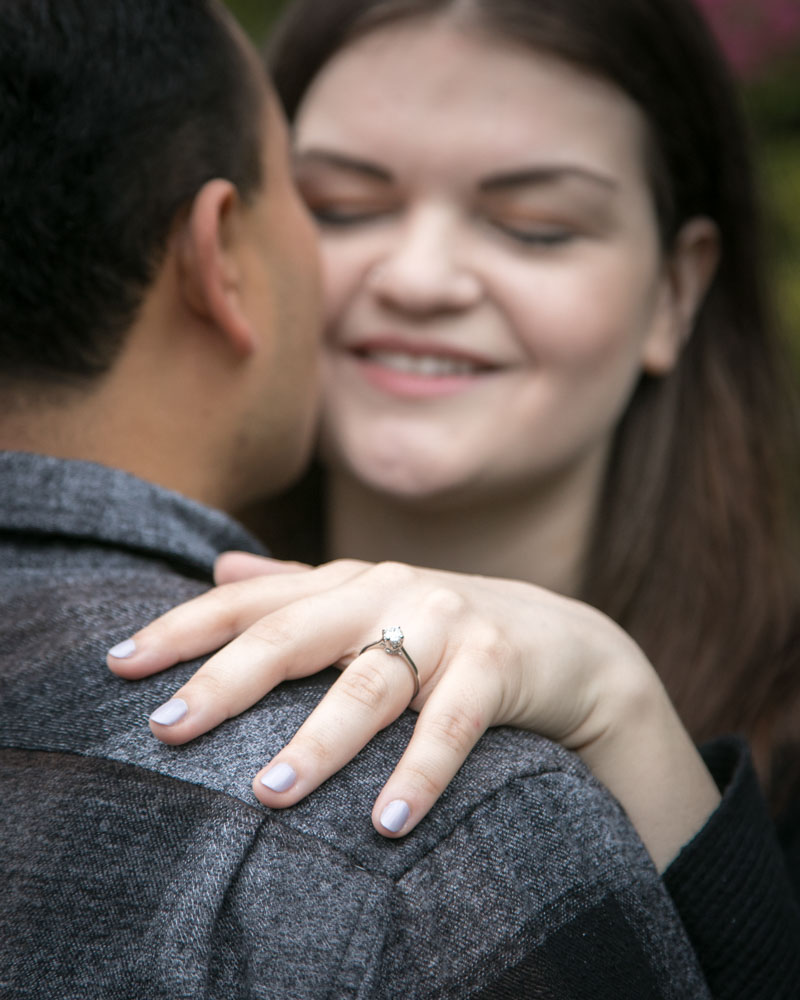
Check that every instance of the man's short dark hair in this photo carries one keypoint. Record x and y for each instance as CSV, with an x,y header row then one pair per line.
x,y
113,115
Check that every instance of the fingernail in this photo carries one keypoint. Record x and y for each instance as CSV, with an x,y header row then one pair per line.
x,y
170,712
279,778
123,650
395,816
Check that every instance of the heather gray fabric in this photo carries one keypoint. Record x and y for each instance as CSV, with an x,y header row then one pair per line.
x,y
138,871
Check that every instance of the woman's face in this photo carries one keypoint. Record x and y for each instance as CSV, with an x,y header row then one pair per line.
x,y
493,276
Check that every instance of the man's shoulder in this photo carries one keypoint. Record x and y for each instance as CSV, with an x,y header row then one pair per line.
x,y
56,630
525,864
58,695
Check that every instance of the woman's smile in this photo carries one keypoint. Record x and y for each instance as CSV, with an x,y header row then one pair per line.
x,y
414,369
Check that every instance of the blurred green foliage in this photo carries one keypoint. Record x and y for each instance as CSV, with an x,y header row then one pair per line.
x,y
256,16
772,101
772,97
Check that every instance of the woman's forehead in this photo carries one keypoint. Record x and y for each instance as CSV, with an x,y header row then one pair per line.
x,y
427,93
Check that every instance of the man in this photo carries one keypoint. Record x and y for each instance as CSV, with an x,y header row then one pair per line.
x,y
158,317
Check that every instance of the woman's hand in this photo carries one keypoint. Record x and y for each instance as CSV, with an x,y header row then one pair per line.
x,y
489,652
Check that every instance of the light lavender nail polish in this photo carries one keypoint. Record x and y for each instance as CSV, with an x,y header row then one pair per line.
x,y
279,778
395,816
170,712
124,650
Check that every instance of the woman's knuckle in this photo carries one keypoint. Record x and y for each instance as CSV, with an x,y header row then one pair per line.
x,y
271,634
221,608
445,603
421,778
230,604
338,571
491,645
366,685
346,565
316,747
457,731
394,575
211,688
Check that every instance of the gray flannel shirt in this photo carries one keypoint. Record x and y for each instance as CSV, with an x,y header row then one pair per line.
x,y
138,871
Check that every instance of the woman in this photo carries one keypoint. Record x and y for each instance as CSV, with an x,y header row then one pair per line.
x,y
548,360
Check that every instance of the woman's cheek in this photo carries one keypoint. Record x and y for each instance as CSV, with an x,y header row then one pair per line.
x,y
582,316
344,270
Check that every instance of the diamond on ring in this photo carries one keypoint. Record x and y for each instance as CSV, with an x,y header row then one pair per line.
x,y
391,641
392,638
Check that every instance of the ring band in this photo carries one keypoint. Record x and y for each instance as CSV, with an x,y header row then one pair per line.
x,y
391,641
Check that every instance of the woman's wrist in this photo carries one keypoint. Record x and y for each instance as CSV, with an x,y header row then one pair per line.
x,y
648,761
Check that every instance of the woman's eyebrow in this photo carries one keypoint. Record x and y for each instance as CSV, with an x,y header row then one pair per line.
x,y
343,162
546,174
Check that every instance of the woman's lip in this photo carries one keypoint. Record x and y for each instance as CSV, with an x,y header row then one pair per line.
x,y
413,385
418,349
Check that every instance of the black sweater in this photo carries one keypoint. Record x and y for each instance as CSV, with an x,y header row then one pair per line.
x,y
736,887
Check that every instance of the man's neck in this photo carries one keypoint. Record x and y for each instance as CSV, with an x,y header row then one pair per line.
x,y
100,426
541,539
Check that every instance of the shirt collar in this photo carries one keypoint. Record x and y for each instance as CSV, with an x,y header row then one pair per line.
x,y
82,500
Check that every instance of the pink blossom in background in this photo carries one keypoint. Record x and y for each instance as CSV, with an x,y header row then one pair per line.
x,y
753,31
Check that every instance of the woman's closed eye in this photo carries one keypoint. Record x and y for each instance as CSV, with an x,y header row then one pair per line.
x,y
342,214
535,234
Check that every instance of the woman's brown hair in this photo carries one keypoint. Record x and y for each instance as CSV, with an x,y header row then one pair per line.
x,y
693,549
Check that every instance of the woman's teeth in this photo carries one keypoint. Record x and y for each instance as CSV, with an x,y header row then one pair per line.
x,y
422,364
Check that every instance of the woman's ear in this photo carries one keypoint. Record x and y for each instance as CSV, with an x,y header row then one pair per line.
x,y
689,271
209,266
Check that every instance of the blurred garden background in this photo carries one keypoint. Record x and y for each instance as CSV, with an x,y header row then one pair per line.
x,y
762,40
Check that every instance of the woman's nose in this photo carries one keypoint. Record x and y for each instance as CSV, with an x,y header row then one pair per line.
x,y
425,268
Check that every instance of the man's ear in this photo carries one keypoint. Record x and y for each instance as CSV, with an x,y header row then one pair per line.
x,y
689,271
209,267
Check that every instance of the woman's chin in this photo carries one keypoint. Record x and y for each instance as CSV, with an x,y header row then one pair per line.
x,y
428,483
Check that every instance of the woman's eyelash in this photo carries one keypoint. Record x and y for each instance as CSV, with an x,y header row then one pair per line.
x,y
341,217
344,217
536,237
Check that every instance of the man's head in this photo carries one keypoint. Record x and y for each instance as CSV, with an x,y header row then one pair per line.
x,y
149,230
